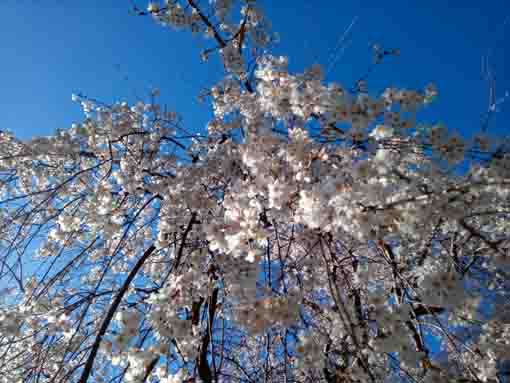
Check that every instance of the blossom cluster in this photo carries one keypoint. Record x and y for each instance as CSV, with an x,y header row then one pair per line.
x,y
316,233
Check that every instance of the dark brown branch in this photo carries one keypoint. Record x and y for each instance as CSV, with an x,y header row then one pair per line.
x,y
178,256
150,367
422,309
111,312
195,311
206,21
204,370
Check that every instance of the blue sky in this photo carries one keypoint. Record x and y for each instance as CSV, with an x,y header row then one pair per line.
x,y
53,48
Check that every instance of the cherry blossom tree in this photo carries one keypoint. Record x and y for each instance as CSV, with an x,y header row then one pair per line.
x,y
317,233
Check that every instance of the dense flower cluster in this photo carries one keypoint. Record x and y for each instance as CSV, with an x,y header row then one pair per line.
x,y
316,234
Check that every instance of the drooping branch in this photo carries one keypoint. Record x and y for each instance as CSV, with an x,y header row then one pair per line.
x,y
111,312
151,367
204,370
179,254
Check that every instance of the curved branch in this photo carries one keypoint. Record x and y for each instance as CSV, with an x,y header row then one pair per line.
x,y
111,312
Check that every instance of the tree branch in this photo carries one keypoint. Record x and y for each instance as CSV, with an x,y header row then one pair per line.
x,y
111,312
206,21
204,371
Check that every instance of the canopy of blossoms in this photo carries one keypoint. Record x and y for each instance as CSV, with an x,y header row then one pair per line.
x,y
317,233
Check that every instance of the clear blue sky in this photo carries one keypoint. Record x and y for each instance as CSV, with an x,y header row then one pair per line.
x,y
53,48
